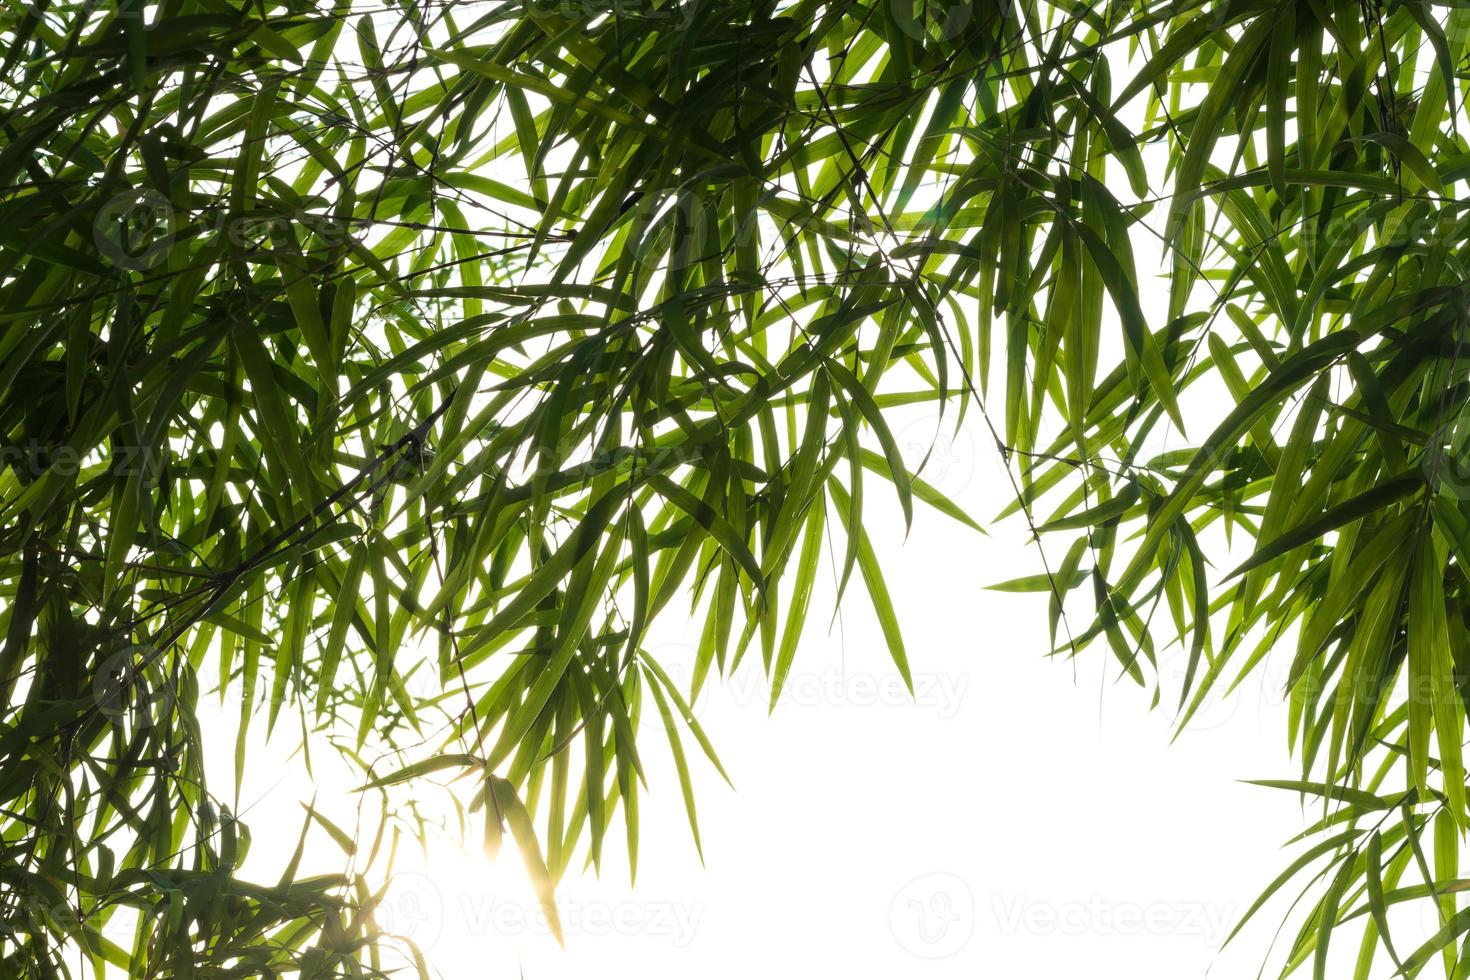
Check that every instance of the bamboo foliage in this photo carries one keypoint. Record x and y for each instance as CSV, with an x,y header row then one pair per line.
x,y
346,344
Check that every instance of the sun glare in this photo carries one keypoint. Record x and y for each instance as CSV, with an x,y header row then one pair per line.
x,y
461,908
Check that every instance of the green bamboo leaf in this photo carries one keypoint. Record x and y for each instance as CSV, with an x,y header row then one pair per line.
x,y
1307,857
1373,877
686,785
806,573
524,832
877,588
1042,583
548,574
717,526
863,399
423,767
1370,501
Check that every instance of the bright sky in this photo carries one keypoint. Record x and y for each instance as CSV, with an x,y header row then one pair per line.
x,y
1016,818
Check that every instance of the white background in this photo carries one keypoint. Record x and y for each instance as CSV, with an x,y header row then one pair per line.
x,y
1020,816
